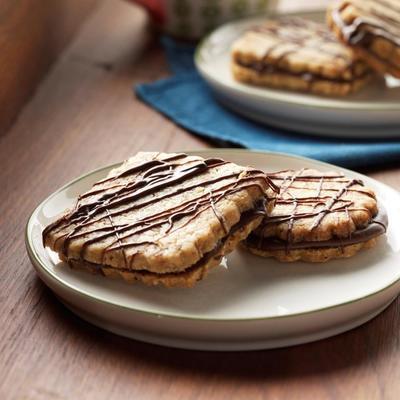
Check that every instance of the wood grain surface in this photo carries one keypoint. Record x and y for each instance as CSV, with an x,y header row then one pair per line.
x,y
84,116
32,34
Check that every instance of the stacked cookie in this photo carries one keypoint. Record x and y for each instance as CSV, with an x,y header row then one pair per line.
x,y
318,217
168,218
372,29
362,39
162,218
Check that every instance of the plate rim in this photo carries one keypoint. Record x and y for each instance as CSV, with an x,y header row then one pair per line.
x,y
41,265
281,96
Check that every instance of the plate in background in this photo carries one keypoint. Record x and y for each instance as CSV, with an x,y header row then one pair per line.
x,y
374,112
254,303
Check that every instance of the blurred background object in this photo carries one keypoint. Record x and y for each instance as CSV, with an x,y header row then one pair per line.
x,y
191,19
32,34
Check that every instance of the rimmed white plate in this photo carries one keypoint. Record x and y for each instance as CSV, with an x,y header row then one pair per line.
x,y
374,112
253,303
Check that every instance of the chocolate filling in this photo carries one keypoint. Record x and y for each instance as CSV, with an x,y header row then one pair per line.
x,y
262,67
374,229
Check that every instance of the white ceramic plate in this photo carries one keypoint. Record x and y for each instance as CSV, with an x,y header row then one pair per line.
x,y
374,112
254,303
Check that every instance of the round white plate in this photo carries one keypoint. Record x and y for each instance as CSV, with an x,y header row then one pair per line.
x,y
253,303
373,112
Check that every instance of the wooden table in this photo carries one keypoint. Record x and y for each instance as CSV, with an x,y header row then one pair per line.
x,y
83,116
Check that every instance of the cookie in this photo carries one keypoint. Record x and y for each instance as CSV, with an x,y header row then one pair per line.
x,y
161,218
297,54
372,29
317,217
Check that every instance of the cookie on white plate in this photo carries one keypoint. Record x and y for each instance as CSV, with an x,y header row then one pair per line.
x,y
161,218
297,54
318,217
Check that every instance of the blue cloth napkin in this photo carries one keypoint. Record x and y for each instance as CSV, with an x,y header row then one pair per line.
x,y
187,100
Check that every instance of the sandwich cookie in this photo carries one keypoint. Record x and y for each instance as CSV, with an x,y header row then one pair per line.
x,y
297,54
162,218
372,29
318,217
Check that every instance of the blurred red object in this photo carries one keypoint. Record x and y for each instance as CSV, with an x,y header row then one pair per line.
x,y
155,8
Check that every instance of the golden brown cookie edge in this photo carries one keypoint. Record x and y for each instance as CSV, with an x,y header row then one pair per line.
x,y
183,279
319,255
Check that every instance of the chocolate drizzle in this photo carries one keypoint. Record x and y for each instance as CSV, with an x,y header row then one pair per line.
x,y
371,24
330,190
246,218
93,219
310,35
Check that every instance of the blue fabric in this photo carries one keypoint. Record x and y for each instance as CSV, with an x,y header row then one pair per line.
x,y
187,100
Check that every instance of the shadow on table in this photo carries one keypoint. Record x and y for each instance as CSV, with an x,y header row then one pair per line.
x,y
363,344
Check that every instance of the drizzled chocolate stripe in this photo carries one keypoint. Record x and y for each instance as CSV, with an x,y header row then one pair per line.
x,y
102,204
354,34
136,169
194,208
151,201
142,167
308,178
334,190
362,30
116,198
177,210
321,205
246,218
302,39
307,25
331,202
